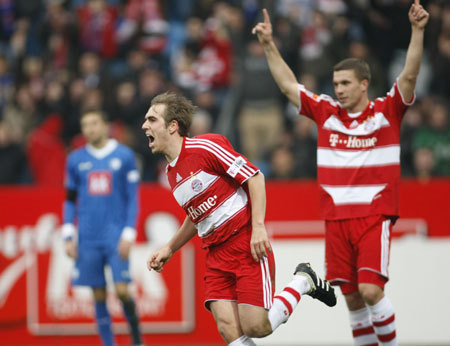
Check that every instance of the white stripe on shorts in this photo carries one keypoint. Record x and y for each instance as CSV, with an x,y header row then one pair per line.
x,y
385,247
267,282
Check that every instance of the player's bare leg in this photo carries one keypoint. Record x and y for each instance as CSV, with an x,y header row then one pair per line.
x,y
129,310
371,293
372,316
228,324
254,321
354,301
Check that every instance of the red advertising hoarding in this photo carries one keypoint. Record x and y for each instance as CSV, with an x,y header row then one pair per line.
x,y
38,304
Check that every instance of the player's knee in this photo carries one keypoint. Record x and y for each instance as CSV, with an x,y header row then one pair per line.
x,y
99,294
256,329
123,296
122,292
371,293
227,328
354,301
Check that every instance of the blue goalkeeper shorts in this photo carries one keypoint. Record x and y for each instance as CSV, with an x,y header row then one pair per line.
x,y
91,262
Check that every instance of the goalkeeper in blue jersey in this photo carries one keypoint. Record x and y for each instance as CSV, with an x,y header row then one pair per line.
x,y
102,182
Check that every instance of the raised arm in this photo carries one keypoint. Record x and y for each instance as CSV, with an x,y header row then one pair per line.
x,y
407,79
281,72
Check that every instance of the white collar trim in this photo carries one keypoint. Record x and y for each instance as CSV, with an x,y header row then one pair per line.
x,y
354,115
174,161
103,152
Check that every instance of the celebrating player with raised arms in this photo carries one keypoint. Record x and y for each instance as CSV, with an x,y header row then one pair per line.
x,y
358,161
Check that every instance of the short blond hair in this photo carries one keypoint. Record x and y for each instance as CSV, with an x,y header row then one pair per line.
x,y
361,68
178,108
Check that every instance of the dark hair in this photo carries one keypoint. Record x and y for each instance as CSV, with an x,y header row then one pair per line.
x,y
361,68
95,111
178,108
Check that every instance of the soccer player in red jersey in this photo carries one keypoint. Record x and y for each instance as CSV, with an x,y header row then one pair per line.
x,y
358,159
223,195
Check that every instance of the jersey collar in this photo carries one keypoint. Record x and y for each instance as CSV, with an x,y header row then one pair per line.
x,y
103,152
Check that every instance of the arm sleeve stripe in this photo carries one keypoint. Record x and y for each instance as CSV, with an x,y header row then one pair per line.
x,y
218,150
220,157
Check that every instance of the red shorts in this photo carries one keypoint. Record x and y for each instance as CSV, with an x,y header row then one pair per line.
x,y
357,251
232,273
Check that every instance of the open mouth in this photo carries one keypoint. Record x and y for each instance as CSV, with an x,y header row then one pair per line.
x,y
151,139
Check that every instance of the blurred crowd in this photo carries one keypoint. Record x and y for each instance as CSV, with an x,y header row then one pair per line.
x,y
60,57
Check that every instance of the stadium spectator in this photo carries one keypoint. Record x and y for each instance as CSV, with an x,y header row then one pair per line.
x,y
40,37
12,157
412,122
97,21
46,152
282,164
314,40
6,24
201,123
59,37
76,90
424,164
6,83
145,24
260,118
441,65
22,112
303,147
436,138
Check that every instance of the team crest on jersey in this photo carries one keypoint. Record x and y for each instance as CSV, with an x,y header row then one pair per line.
x,y
84,166
369,124
115,164
197,185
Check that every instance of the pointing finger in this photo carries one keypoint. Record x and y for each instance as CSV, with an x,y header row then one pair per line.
x,y
267,18
416,2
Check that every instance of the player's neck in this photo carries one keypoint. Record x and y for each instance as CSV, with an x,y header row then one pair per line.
x,y
100,143
174,149
359,107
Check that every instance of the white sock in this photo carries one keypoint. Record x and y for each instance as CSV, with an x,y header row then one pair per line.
x,y
362,329
285,302
244,340
383,320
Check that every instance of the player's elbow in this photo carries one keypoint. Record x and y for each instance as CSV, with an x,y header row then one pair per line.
x,y
259,177
284,88
410,79
406,85
292,94
288,89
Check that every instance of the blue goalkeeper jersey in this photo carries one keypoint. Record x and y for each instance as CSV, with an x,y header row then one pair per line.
x,y
106,182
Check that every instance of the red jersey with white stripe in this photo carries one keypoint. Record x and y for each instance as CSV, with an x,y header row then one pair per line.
x,y
206,180
358,159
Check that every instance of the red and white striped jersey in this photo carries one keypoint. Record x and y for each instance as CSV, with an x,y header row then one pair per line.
x,y
358,159
206,180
